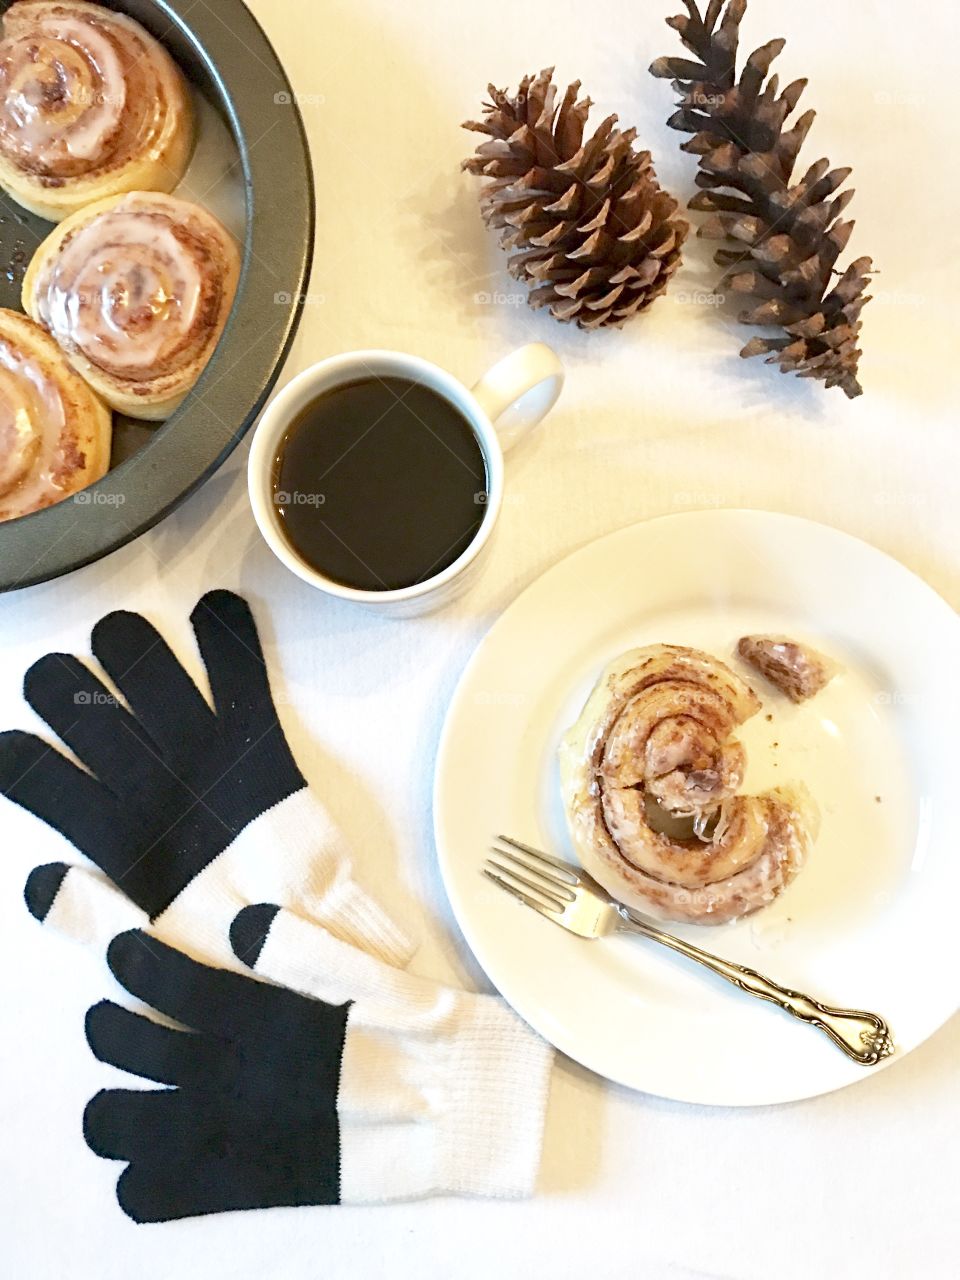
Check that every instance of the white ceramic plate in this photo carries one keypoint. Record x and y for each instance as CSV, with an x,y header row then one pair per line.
x,y
869,922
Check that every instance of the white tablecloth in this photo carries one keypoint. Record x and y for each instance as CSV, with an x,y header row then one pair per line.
x,y
660,417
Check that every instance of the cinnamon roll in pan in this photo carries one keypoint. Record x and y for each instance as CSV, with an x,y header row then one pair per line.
x,y
90,106
136,290
654,740
54,432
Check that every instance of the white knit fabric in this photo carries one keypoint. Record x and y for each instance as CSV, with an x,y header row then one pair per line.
x,y
291,854
90,909
441,1091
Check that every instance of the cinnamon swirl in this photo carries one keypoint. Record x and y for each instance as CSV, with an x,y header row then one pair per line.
x,y
90,105
54,432
653,745
136,289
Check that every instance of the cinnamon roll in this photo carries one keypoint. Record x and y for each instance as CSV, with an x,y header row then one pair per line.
x,y
650,775
54,432
90,105
136,289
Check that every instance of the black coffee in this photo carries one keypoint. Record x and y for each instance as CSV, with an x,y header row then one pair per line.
x,y
380,483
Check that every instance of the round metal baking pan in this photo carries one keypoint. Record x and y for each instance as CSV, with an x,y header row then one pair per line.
x,y
228,59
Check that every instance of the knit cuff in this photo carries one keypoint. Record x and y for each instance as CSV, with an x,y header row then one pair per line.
x,y
499,1080
456,1110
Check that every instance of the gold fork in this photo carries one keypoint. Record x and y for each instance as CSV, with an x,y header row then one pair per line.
x,y
571,898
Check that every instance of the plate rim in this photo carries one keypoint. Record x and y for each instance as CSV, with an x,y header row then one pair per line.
x,y
560,1041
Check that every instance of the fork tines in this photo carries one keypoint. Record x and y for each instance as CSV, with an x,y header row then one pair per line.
x,y
546,884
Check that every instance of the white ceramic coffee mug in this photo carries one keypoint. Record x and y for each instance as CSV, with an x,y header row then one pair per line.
x,y
507,401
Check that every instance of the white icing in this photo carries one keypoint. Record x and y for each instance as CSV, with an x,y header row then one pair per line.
x,y
80,64
123,290
32,418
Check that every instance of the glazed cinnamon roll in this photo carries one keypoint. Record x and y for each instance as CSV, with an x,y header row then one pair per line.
x,y
136,290
650,775
90,105
54,432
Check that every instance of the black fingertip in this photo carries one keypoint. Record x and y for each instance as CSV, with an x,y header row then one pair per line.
x,y
11,739
43,885
123,949
93,1021
249,930
18,752
39,670
222,604
129,1200
92,1124
112,625
110,619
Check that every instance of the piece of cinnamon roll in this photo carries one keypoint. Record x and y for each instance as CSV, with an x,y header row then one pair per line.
x,y
136,290
796,669
90,106
653,746
54,432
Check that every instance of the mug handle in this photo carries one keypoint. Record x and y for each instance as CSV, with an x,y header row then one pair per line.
x,y
520,390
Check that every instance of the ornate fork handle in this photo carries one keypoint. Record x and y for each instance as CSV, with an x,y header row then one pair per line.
x,y
864,1037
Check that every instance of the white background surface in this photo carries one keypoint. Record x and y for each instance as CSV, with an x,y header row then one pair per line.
x,y
660,417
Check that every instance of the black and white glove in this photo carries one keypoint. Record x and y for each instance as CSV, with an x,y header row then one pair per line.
x,y
191,812
372,1086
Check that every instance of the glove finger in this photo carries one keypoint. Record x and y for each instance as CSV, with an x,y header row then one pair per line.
x,y
165,1192
83,712
39,778
151,1194
81,904
157,688
206,999
351,915
179,1186
128,1040
303,956
314,879
230,646
121,1124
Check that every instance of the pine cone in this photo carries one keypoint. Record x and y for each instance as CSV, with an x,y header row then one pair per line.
x,y
586,224
792,232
